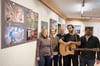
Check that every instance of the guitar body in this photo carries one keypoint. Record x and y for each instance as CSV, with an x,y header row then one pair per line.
x,y
65,50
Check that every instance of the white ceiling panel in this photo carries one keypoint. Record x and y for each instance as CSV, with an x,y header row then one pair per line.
x,y
72,8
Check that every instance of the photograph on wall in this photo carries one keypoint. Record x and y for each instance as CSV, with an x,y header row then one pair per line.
x,y
44,25
32,17
59,26
53,24
62,26
31,34
31,24
77,29
13,35
13,12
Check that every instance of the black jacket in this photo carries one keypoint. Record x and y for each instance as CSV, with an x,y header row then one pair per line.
x,y
92,42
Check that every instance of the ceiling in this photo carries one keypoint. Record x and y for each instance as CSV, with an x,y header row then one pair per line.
x,y
72,8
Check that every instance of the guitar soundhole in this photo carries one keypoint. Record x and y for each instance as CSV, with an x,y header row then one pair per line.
x,y
70,49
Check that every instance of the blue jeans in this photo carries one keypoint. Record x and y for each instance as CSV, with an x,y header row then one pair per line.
x,y
84,61
44,60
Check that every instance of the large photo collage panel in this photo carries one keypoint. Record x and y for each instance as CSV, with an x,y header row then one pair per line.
x,y
19,24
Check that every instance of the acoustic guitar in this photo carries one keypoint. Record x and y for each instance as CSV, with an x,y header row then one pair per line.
x,y
70,50
65,50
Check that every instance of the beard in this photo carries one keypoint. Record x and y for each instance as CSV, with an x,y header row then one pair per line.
x,y
71,31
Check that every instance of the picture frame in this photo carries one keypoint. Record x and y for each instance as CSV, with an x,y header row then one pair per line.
x,y
54,24
44,25
77,29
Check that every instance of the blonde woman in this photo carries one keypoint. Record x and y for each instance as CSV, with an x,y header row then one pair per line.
x,y
44,49
55,41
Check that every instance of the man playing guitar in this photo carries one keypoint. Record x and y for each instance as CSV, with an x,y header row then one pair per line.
x,y
69,40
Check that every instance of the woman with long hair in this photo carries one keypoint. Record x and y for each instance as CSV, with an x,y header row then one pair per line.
x,y
44,49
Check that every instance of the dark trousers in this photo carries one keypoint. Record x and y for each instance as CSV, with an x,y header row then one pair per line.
x,y
60,60
84,61
55,58
44,60
67,60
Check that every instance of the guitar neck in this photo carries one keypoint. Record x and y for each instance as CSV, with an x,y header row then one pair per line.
x,y
86,49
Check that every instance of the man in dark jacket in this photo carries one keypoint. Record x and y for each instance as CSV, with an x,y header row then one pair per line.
x,y
89,41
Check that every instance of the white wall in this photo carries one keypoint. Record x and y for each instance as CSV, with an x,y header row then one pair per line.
x,y
24,54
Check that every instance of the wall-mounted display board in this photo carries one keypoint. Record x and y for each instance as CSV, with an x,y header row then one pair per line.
x,y
19,24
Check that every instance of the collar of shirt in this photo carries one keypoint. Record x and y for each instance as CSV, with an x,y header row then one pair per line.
x,y
87,37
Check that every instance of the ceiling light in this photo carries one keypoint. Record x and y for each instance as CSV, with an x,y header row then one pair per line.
x,y
82,9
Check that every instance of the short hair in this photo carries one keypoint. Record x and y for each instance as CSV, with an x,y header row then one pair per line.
x,y
91,28
70,25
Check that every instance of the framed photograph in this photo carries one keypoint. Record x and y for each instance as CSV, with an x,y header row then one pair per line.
x,y
31,25
44,25
13,35
53,24
77,29
13,12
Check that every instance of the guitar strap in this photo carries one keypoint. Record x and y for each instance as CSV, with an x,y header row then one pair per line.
x,y
76,37
76,40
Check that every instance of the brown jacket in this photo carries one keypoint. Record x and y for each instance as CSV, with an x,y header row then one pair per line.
x,y
55,41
